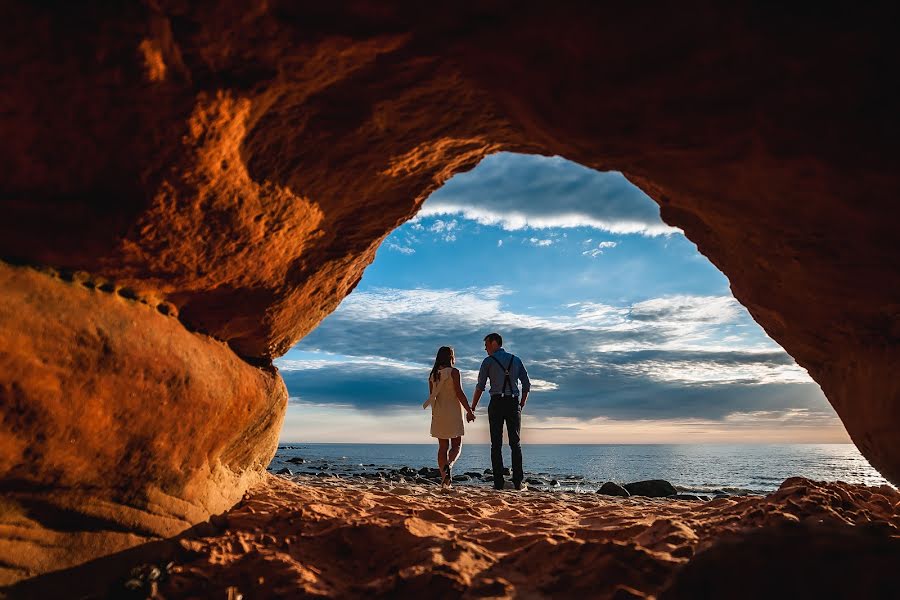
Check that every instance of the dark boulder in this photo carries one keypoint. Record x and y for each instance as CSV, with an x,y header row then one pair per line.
x,y
613,489
652,488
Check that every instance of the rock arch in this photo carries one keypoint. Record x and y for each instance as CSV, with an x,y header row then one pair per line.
x,y
187,190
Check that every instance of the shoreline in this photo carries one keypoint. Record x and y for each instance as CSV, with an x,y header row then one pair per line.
x,y
534,482
554,467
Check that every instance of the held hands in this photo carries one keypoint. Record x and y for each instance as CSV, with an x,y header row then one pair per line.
x,y
470,416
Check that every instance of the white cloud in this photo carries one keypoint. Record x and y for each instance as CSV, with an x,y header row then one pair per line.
x,y
663,358
712,372
595,252
401,249
444,229
515,191
539,242
499,243
686,309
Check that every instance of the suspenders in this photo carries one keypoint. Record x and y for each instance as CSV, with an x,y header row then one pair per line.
x,y
506,381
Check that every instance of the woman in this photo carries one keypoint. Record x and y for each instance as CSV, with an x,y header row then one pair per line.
x,y
447,400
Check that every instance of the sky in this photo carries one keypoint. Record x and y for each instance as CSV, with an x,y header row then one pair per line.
x,y
628,333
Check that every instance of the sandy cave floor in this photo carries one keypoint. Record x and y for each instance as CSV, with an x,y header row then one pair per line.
x,y
314,537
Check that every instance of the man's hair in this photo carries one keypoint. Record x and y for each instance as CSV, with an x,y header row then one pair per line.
x,y
494,337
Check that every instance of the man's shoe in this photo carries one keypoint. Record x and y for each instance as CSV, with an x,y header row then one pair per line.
x,y
519,485
499,486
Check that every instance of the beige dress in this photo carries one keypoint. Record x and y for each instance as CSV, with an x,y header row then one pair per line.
x,y
446,411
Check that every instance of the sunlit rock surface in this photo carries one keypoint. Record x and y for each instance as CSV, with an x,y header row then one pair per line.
x,y
120,426
242,162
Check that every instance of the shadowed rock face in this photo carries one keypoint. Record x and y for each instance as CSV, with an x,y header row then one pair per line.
x,y
243,163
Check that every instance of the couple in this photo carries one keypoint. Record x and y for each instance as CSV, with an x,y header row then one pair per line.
x,y
447,400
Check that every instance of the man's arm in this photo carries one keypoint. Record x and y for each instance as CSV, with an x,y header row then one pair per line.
x,y
482,382
475,397
526,383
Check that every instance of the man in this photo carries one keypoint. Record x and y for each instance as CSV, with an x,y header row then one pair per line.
x,y
504,370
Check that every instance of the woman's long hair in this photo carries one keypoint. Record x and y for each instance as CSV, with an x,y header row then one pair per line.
x,y
442,360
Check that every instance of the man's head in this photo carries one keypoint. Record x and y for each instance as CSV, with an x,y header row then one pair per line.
x,y
492,343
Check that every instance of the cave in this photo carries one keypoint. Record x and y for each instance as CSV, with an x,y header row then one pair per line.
x,y
189,189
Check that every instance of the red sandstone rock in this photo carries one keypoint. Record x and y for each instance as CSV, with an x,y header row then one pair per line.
x,y
244,161
129,429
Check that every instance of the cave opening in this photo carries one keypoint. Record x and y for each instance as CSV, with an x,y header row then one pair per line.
x,y
631,337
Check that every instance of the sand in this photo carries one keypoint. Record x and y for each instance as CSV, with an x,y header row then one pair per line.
x,y
330,537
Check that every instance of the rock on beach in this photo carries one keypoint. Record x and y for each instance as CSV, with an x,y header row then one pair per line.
x,y
651,488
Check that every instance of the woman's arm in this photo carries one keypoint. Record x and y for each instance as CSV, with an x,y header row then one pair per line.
x,y
460,394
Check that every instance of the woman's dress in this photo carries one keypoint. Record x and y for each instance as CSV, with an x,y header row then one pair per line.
x,y
446,411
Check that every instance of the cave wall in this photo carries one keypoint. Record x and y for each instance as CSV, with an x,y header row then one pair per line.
x,y
236,165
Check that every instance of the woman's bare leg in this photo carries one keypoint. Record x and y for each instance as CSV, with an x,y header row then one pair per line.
x,y
442,457
455,449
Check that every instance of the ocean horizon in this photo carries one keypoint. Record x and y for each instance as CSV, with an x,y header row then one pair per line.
x,y
741,468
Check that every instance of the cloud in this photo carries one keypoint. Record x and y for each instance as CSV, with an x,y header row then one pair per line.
x,y
595,252
439,226
515,191
367,383
444,229
663,358
687,309
539,242
400,249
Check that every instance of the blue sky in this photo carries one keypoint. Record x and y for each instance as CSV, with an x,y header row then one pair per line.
x,y
628,332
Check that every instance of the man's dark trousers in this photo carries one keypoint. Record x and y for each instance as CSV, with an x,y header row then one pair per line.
x,y
505,409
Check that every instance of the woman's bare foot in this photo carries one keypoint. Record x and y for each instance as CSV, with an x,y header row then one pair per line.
x,y
447,477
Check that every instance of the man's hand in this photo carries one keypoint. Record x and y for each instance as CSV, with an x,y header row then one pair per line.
x,y
470,416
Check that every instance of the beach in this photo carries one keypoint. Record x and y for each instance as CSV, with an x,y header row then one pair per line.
x,y
328,536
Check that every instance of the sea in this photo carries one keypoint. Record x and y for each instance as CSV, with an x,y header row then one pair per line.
x,y
692,468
